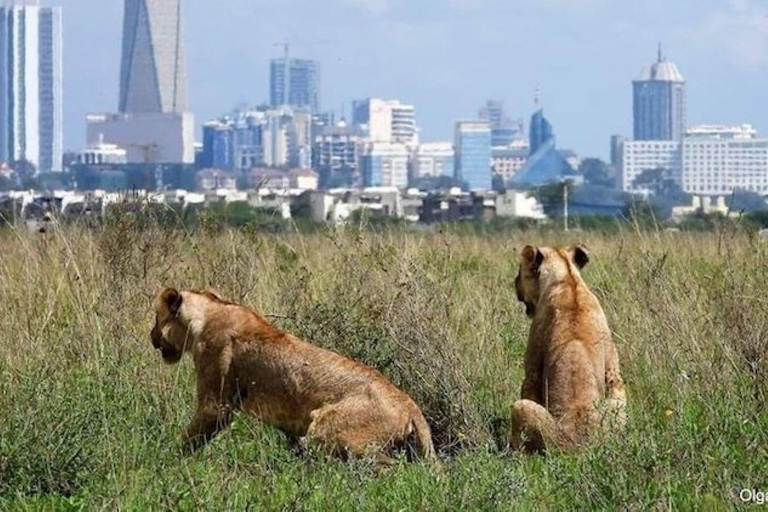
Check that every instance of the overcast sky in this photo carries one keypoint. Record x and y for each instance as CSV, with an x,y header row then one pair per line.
x,y
448,56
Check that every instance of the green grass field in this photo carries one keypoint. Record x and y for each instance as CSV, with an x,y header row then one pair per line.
x,y
90,418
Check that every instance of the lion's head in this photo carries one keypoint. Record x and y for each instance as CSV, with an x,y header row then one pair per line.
x,y
546,266
170,335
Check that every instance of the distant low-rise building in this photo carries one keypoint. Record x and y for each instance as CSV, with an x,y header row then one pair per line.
x,y
216,179
506,162
167,138
103,154
271,178
385,164
433,159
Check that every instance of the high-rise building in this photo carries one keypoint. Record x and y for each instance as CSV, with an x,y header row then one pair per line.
x,y
31,107
152,124
545,163
386,120
659,102
336,154
385,164
295,82
153,77
473,154
504,131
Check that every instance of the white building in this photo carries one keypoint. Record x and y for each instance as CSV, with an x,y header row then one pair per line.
x,y
642,155
711,160
385,164
31,92
103,154
719,159
433,159
386,121
148,138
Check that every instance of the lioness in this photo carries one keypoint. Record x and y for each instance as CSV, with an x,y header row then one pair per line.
x,y
572,379
317,396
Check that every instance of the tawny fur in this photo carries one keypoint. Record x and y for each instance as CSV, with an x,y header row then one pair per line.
x,y
573,384
319,397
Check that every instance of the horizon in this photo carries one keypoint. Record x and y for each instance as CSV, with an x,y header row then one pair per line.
x,y
381,48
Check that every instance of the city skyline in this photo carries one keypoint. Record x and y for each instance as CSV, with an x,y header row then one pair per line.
x,y
586,84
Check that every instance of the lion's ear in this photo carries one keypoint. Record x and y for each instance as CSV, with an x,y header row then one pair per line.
x,y
172,299
580,256
533,257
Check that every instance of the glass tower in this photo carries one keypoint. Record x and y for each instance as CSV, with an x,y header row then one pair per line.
x,y
473,154
31,108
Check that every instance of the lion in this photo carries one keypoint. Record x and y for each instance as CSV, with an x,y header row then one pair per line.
x,y
573,384
316,396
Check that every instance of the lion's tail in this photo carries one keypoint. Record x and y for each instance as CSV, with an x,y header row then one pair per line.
x,y
423,434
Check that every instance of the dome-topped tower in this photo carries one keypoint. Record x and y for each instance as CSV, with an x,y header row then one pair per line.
x,y
660,101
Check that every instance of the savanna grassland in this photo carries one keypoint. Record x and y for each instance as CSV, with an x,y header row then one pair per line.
x,y
90,418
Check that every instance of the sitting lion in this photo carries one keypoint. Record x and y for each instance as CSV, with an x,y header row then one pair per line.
x,y
572,382
244,362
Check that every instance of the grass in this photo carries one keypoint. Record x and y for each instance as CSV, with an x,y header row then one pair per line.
x,y
91,419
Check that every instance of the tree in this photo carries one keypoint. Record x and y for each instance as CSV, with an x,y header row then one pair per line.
x,y
658,181
746,201
552,196
596,172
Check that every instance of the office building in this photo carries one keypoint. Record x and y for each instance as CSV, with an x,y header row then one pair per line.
x,y
147,138
506,162
647,155
720,159
152,75
384,164
336,155
473,153
295,83
433,159
504,131
153,124
710,161
386,120
659,102
545,164
31,93
218,146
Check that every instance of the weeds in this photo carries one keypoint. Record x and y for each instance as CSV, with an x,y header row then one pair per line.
x,y
89,417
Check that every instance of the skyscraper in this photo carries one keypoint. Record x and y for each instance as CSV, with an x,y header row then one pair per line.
x,y
152,124
473,153
386,120
659,102
504,131
31,85
295,82
152,76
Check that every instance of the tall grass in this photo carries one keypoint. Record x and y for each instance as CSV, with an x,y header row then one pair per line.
x,y
89,416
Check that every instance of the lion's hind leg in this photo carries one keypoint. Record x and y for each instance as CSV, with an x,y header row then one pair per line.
x,y
533,427
355,426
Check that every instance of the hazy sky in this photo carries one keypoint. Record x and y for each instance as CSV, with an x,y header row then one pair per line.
x,y
448,56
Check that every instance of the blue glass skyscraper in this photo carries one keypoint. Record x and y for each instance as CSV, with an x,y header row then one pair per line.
x,y
473,154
